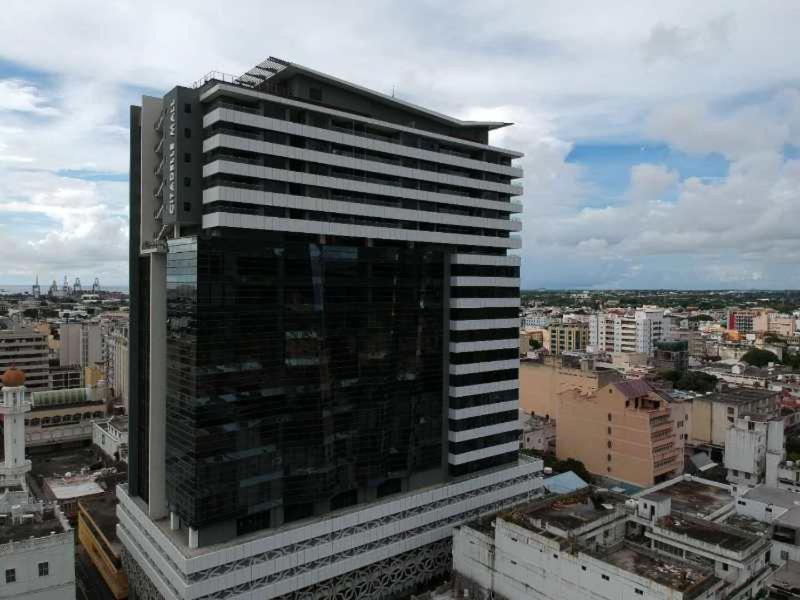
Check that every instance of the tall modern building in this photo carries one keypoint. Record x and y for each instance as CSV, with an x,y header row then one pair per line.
x,y
628,331
323,338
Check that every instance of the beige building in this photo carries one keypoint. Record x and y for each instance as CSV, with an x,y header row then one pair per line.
x,y
527,336
624,430
541,381
567,337
713,414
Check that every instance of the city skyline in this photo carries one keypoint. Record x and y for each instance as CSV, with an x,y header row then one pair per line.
x,y
661,142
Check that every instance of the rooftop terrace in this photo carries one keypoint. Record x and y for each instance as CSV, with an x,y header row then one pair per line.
x,y
569,511
729,538
696,498
36,527
679,576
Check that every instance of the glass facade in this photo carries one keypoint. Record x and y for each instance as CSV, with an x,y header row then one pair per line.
x,y
302,376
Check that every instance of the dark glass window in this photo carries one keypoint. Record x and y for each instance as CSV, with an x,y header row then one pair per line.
x,y
301,377
466,358
491,312
483,420
484,442
484,399
479,335
483,377
484,271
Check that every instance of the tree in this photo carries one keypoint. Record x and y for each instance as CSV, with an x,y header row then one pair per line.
x,y
31,313
535,344
759,358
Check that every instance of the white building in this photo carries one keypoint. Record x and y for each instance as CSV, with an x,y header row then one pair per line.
x,y
111,437
631,331
596,544
80,344
37,547
535,321
780,510
114,333
753,447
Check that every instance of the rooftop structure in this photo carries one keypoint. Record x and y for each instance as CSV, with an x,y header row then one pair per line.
x,y
691,496
610,546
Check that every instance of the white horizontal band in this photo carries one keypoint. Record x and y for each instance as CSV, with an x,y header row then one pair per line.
x,y
485,259
481,432
484,302
224,140
343,207
484,345
355,117
483,388
483,367
477,324
466,457
341,183
477,281
480,411
238,221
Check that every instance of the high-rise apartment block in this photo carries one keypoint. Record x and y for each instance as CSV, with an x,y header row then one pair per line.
x,y
324,338
26,349
628,331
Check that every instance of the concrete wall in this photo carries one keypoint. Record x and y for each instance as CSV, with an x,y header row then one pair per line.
x,y
58,551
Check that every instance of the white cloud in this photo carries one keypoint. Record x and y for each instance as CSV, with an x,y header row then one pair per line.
x,y
563,74
20,96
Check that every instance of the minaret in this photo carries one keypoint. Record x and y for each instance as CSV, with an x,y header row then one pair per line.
x,y
13,407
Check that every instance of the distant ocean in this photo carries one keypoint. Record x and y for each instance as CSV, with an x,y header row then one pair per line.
x,y
9,288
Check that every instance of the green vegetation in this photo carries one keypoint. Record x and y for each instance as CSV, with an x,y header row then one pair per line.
x,y
535,344
759,358
690,381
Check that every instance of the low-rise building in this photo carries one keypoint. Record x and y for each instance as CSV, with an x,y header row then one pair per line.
x,y
672,355
538,433
97,532
65,416
110,437
714,413
596,544
37,551
66,377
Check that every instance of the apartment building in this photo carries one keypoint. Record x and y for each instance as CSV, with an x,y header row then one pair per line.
x,y
714,413
25,349
324,346
624,430
542,380
628,331
567,337
79,343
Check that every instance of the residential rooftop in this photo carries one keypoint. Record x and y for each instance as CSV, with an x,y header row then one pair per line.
x,y
37,526
103,512
567,512
728,538
696,498
740,395
677,575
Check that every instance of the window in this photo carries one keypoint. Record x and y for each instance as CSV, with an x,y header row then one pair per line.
x,y
768,509
187,108
555,556
609,415
187,207
724,566
609,431
741,502
315,94
583,567
638,592
605,577
784,555
609,443
11,575
187,182
187,157
609,458
187,133
44,569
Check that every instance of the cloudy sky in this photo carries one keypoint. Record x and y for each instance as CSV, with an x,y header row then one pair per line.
x,y
662,139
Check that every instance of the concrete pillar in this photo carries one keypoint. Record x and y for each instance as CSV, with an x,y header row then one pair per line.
x,y
174,521
158,386
193,542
